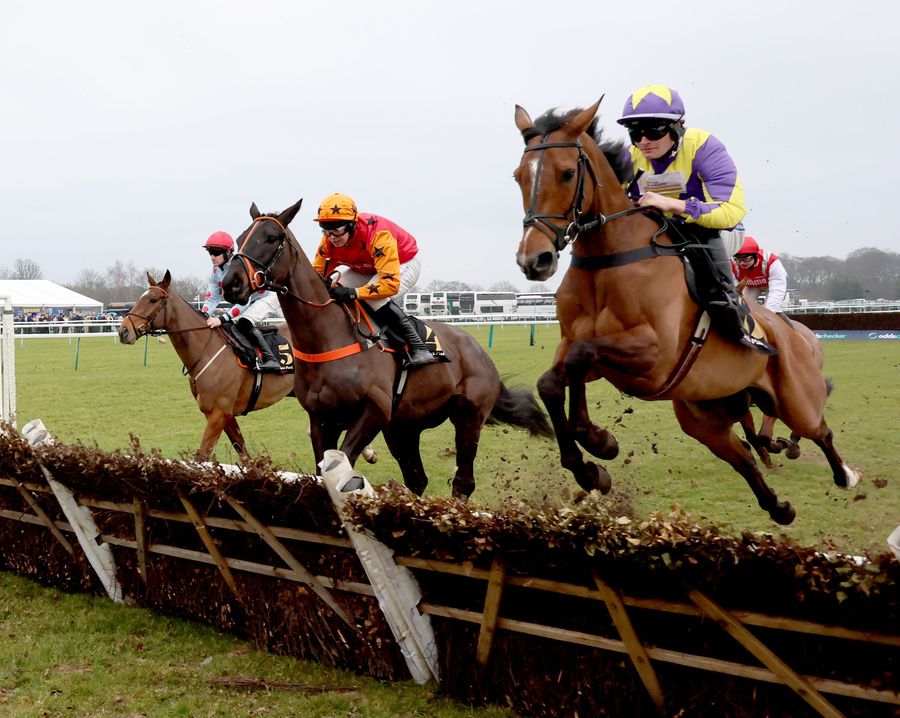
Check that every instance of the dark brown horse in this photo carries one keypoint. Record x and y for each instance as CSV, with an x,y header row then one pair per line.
x,y
221,386
626,315
347,383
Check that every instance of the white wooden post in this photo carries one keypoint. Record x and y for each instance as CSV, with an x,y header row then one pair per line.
x,y
80,518
7,362
395,586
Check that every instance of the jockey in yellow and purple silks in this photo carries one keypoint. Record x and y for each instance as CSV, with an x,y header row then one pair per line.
x,y
380,261
688,174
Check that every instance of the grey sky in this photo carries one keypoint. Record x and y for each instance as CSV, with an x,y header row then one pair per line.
x,y
132,132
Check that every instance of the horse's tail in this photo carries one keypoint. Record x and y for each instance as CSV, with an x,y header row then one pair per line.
x,y
518,407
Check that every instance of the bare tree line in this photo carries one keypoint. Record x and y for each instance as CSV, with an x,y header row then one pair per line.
x,y
867,273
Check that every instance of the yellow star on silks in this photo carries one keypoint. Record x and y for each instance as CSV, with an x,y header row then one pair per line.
x,y
658,90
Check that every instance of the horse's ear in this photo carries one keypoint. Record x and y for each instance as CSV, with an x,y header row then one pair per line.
x,y
580,122
166,280
150,280
523,120
288,215
254,212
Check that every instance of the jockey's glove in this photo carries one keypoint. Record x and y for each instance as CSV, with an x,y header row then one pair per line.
x,y
342,295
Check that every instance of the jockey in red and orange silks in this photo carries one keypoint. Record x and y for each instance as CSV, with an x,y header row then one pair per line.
x,y
380,261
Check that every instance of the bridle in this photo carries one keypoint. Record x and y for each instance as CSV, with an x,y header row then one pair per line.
x,y
147,326
260,279
580,221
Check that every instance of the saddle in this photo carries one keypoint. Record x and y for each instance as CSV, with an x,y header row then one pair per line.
x,y
397,344
247,354
704,281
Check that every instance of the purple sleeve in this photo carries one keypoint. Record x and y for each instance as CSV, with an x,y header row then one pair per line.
x,y
716,170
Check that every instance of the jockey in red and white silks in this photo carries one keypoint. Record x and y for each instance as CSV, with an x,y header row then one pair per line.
x,y
758,271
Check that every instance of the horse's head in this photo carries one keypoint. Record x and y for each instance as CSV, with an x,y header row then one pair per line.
x,y
260,260
557,182
148,312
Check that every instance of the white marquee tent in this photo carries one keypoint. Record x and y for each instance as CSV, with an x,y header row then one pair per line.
x,y
42,295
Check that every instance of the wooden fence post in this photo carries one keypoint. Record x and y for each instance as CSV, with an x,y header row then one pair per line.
x,y
633,645
491,610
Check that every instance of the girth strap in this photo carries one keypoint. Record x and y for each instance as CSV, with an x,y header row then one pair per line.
x,y
254,394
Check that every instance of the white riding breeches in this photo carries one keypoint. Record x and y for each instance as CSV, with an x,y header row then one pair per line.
x,y
409,275
263,308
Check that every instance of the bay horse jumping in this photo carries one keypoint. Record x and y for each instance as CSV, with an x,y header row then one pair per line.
x,y
626,315
346,381
221,386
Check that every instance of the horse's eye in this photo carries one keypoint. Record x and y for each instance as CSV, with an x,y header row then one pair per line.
x,y
567,175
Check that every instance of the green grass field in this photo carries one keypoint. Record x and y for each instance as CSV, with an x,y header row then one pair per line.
x,y
112,394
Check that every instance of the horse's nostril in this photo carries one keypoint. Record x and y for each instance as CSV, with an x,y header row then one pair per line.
x,y
544,261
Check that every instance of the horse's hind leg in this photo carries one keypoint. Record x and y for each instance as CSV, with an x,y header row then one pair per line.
x,y
844,476
552,390
468,422
791,447
755,440
403,443
710,423
233,432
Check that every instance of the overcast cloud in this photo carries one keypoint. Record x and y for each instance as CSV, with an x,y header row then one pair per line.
x,y
133,131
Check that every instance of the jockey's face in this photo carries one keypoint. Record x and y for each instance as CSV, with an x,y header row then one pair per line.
x,y
338,233
654,149
745,261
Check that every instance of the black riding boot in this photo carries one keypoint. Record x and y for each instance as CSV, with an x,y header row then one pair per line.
x,y
268,361
393,317
728,310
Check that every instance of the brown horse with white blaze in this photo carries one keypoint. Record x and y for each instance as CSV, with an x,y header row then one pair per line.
x,y
347,384
626,315
221,386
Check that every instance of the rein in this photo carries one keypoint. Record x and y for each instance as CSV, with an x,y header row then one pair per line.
x,y
260,279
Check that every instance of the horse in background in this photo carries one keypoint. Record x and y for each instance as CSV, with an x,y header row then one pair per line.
x,y
222,387
626,315
348,379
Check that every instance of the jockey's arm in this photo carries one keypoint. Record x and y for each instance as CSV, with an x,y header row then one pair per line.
x,y
723,204
386,260
320,259
777,289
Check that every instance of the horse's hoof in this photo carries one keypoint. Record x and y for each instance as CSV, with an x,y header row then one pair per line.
x,y
793,450
370,455
851,478
594,477
783,513
599,443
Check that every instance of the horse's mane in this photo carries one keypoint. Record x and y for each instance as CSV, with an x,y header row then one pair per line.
x,y
613,150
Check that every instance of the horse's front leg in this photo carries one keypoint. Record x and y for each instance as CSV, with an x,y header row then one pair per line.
x,y
323,436
552,390
363,431
633,352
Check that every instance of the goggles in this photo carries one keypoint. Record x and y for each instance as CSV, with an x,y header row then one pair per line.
x,y
216,251
333,229
651,130
744,257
